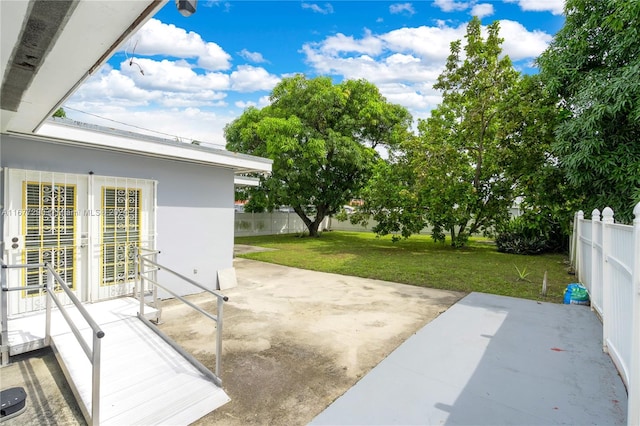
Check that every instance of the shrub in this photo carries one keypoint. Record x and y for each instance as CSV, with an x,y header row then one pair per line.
x,y
522,235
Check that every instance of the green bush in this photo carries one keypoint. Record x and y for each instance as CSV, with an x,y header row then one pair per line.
x,y
528,235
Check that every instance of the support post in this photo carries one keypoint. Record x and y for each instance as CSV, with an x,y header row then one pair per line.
x,y
95,379
48,289
633,407
139,278
219,338
154,290
4,307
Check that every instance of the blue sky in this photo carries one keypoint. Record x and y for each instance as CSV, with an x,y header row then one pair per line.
x,y
188,77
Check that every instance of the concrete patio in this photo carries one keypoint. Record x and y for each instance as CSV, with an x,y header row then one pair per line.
x,y
492,360
290,353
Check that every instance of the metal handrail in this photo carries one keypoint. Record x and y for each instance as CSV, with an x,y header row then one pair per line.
x,y
189,280
93,354
141,272
4,302
141,260
4,305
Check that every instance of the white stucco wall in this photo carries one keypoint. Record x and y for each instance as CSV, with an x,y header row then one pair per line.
x,y
195,216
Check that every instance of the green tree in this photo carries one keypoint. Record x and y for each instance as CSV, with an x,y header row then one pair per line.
x,y
321,137
593,67
530,115
451,175
391,200
457,154
60,113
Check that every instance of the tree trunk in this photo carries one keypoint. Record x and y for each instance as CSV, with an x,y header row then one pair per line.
x,y
313,228
315,225
312,225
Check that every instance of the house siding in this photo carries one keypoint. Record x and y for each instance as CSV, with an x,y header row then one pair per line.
x,y
194,216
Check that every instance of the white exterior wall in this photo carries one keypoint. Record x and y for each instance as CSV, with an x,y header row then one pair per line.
x,y
194,217
1,199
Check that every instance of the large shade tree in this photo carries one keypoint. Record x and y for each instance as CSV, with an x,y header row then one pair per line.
x,y
593,67
322,138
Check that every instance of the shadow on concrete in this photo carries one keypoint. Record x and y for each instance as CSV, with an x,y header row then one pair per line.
x,y
543,365
492,360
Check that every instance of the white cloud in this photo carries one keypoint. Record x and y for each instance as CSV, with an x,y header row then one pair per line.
x,y
450,5
554,6
158,87
197,77
173,76
157,38
482,10
262,102
339,43
430,43
251,79
402,8
520,43
252,56
112,88
328,9
245,105
400,59
183,124
405,63
191,93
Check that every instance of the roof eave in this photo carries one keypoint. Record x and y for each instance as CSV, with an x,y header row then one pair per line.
x,y
56,132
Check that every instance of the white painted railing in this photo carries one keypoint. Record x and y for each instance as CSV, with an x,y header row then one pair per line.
x,y
606,256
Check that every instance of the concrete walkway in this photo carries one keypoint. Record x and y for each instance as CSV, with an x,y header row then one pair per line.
x,y
492,360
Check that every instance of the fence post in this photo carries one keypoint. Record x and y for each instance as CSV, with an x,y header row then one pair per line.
x,y
595,283
607,221
578,245
572,239
633,408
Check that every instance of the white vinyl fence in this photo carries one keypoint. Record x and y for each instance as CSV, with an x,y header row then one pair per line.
x,y
606,257
247,224
277,222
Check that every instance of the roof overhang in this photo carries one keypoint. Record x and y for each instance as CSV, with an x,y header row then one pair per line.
x,y
243,181
48,48
69,132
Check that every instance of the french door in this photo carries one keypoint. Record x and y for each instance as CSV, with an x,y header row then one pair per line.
x,y
125,221
85,226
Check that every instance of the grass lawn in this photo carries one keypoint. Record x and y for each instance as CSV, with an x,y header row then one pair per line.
x,y
419,261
